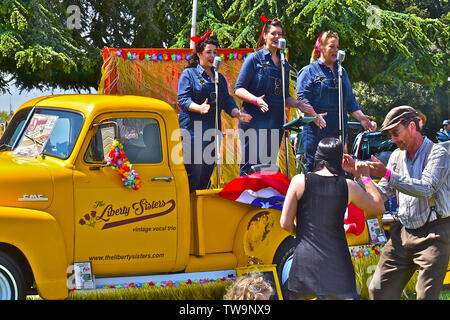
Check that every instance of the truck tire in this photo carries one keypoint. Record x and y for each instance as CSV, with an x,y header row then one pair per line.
x,y
12,280
283,259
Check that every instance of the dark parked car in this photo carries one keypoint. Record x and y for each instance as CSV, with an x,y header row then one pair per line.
x,y
372,143
354,128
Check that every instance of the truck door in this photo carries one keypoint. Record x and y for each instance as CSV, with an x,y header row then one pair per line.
x,y
120,230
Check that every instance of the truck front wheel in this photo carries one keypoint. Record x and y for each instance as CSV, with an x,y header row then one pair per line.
x,y
12,283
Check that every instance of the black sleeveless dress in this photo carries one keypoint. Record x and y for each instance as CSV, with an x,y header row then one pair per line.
x,y
322,266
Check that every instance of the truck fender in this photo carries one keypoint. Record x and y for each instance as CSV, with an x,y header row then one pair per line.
x,y
258,237
38,236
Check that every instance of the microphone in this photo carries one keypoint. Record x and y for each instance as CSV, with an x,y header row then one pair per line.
x,y
282,44
217,62
297,123
341,56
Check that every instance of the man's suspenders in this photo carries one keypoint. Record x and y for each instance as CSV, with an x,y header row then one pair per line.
x,y
431,201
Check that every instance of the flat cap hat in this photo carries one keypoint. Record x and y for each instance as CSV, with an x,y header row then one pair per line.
x,y
397,115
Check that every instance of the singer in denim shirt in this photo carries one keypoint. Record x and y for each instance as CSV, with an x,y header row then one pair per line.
x,y
260,76
318,82
259,85
197,100
196,86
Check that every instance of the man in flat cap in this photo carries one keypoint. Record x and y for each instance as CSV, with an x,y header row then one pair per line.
x,y
418,172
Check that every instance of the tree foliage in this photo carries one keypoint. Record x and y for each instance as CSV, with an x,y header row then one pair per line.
x,y
381,45
132,23
4,117
377,100
409,42
38,50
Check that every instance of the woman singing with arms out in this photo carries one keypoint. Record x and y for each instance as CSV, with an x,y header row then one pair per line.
x,y
259,87
318,82
197,97
322,265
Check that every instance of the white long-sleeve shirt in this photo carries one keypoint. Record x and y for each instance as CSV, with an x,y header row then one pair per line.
x,y
417,182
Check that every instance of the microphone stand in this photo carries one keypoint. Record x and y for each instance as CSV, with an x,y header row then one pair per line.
x,y
341,105
216,85
286,132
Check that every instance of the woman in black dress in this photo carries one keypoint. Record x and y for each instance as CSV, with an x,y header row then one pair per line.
x,y
322,265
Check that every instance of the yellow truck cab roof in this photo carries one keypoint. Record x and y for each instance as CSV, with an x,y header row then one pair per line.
x,y
101,102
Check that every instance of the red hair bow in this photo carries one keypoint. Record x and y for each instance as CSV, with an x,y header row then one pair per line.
x,y
264,20
317,45
203,37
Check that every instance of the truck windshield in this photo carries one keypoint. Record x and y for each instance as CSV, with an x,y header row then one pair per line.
x,y
62,139
13,130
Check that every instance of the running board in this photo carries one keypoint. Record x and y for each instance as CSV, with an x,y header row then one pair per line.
x,y
174,277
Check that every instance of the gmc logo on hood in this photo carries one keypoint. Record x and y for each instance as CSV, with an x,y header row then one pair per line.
x,y
33,197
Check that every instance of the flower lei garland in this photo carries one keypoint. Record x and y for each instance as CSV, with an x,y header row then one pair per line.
x,y
128,55
365,251
117,160
165,284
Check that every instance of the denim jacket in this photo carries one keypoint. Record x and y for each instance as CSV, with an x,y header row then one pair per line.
x,y
317,83
259,75
195,86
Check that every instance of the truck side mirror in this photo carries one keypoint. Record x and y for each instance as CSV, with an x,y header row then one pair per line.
x,y
107,135
109,130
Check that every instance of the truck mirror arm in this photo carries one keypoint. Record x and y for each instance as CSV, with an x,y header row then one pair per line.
x,y
115,124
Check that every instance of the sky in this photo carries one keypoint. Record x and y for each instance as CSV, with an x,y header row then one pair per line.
x,y
17,99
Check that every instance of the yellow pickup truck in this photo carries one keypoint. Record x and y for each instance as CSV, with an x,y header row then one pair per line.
x,y
60,204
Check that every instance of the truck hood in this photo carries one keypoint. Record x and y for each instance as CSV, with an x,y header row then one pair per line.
x,y
25,182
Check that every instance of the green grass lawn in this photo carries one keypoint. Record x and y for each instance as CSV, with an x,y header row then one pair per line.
x,y
364,269
210,291
445,295
193,292
207,291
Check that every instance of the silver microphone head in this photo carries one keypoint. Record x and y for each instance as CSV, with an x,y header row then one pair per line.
x,y
217,62
341,56
281,43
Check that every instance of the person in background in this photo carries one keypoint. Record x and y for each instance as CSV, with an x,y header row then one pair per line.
x,y
259,86
422,119
249,287
420,240
446,125
322,266
444,134
422,124
196,96
318,83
